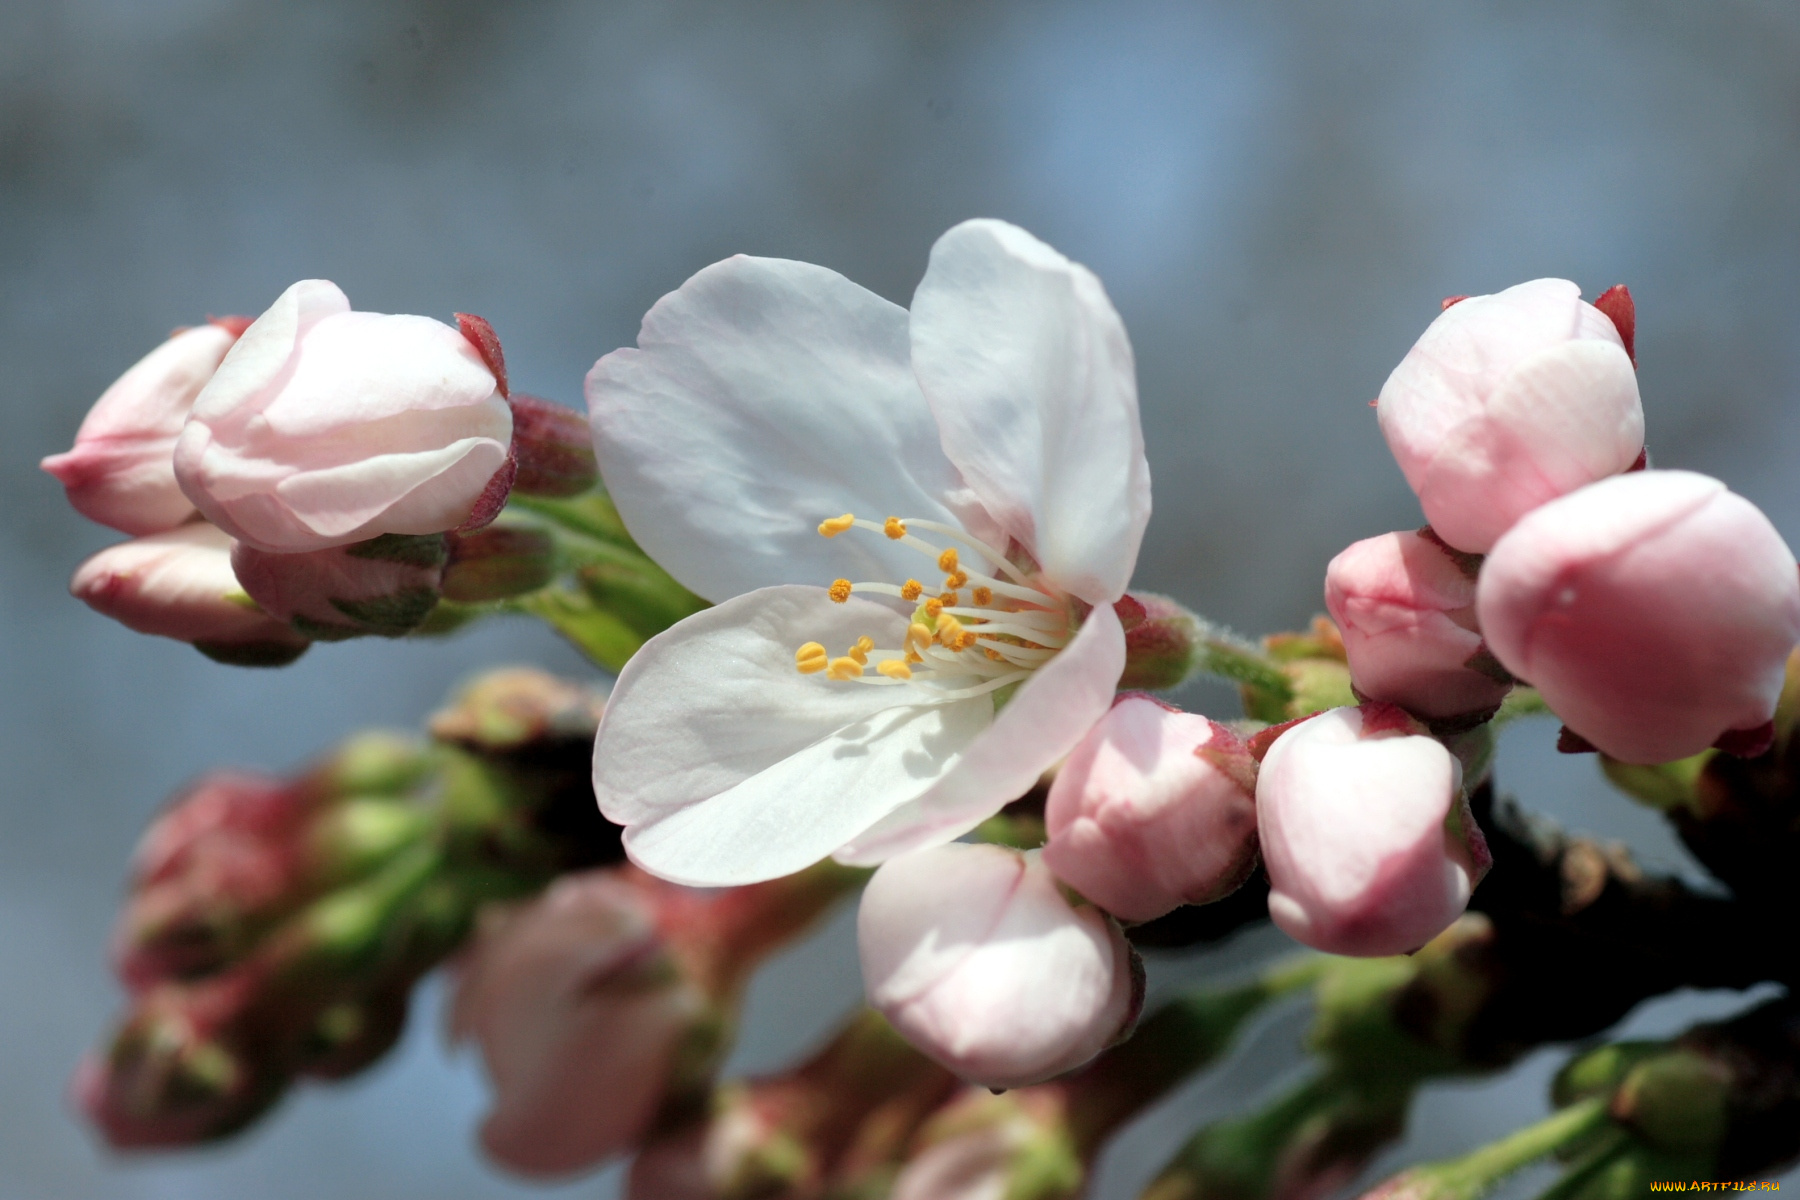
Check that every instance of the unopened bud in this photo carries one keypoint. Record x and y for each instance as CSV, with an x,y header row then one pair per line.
x,y
1154,808
1365,833
1017,1146
514,708
497,562
1676,1101
978,959
384,586
180,585
554,448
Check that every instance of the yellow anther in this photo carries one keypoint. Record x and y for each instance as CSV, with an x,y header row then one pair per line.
x,y
949,632
860,651
844,668
836,525
918,636
983,596
993,654
840,591
913,656
956,579
934,607
894,527
950,598
964,641
947,560
810,658
911,590
893,668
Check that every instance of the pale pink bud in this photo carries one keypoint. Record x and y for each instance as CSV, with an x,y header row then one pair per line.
x,y
383,586
1155,808
180,585
1654,612
580,1014
1405,607
121,471
1368,844
978,959
1509,401
325,426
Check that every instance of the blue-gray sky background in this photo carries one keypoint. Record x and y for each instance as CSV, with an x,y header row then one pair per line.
x,y
1276,195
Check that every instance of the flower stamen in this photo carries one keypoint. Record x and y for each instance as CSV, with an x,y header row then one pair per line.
x,y
840,591
833,526
810,659
894,668
894,527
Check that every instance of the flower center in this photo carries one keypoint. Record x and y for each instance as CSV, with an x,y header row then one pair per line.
x,y
979,634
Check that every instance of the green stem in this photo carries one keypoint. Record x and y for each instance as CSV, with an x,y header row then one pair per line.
x,y
1471,1176
1575,1181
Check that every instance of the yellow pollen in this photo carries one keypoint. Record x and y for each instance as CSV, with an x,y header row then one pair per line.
x,y
810,658
894,527
950,598
983,596
836,525
893,668
949,632
840,591
918,635
993,654
956,580
947,560
964,641
911,590
934,607
860,651
844,668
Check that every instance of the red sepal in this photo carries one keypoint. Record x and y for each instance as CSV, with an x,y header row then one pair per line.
x,y
235,326
1747,743
1378,716
1132,612
1570,742
1641,462
1616,303
481,335
493,496
1259,742
1450,301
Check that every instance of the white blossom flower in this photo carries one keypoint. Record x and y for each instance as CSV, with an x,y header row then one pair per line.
x,y
890,684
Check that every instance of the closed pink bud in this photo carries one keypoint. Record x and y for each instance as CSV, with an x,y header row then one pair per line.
x,y
325,426
1654,612
580,1015
1509,401
978,959
1405,607
180,585
1155,808
1368,845
384,586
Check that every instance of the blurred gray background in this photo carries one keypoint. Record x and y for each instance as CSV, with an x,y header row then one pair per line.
x,y
1276,195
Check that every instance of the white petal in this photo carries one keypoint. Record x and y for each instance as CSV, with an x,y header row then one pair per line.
x,y
1043,721
727,766
765,396
923,913
1030,376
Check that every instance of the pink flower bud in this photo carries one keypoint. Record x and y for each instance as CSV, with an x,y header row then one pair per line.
x,y
384,586
1155,808
980,962
1654,612
580,1015
1356,814
180,585
555,448
325,426
1509,401
121,471
1405,607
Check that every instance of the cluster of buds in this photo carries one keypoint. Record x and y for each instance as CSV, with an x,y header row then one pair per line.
x,y
319,473
275,927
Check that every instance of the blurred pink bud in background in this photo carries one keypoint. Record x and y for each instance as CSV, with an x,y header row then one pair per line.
x,y
1509,401
1654,612
1155,808
121,471
325,426
1369,847
180,585
384,586
580,1015
1405,607
978,959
